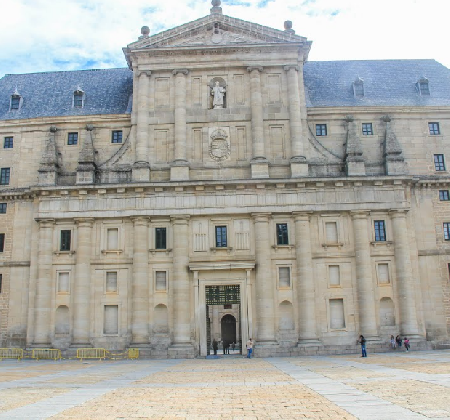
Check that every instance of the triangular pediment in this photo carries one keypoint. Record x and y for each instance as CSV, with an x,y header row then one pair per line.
x,y
216,30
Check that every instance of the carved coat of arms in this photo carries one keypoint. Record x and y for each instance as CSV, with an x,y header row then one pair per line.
x,y
219,147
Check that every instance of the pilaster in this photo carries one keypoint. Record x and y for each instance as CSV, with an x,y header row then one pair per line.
x,y
140,283
264,283
82,284
305,280
259,163
406,295
299,165
179,170
364,279
44,289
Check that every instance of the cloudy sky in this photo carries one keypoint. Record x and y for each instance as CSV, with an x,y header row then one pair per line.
x,y
46,35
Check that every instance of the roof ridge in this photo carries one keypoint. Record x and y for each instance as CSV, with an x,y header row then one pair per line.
x,y
64,71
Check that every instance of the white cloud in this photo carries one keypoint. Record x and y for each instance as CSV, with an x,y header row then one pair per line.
x,y
45,35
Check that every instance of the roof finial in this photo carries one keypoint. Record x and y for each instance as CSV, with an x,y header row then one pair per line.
x,y
16,92
145,31
288,26
216,7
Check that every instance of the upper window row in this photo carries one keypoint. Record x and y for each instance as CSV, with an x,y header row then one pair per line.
x,y
78,100
116,137
367,129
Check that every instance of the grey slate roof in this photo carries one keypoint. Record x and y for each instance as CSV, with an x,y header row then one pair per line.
x,y
50,94
386,83
328,84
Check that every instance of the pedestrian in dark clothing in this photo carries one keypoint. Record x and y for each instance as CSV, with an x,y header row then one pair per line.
x,y
362,341
406,343
398,339
215,346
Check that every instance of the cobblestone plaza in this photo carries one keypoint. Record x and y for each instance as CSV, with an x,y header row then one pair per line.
x,y
386,386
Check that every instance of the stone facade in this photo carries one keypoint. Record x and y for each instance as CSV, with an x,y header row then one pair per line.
x,y
330,230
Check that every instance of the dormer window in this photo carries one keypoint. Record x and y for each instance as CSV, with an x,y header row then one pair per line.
x,y
422,86
358,88
16,101
78,98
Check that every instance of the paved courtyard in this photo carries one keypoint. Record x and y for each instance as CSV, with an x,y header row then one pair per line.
x,y
394,385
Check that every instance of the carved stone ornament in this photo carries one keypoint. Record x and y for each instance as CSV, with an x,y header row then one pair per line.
x,y
219,147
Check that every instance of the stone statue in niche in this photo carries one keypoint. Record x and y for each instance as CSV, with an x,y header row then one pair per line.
x,y
218,92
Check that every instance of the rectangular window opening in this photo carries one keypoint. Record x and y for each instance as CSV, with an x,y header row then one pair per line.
x,y
380,230
331,232
8,143
367,129
72,139
1,282
2,242
337,318
3,207
282,234
160,238
321,129
116,136
221,237
439,164
334,275
433,127
66,236
111,282
383,273
4,176
63,282
112,238
444,195
447,231
111,319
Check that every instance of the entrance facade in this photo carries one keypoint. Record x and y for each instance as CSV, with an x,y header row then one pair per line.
x,y
223,303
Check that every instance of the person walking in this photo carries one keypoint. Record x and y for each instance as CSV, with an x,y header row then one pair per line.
x,y
398,339
393,343
215,346
249,348
406,343
362,341
233,346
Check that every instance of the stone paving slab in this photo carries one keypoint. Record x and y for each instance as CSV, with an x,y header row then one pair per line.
x,y
382,387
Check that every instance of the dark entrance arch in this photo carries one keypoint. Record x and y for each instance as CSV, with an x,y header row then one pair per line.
x,y
228,329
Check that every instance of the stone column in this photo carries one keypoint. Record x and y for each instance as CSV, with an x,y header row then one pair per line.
x,y
180,168
141,168
364,280
180,281
299,166
305,280
82,284
260,166
406,296
44,290
264,281
139,326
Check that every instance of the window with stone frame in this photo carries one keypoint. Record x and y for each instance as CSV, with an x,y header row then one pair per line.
x,y
444,195
160,281
5,176
331,232
221,237
380,230
383,273
446,231
160,238
78,99
439,163
112,238
65,242
334,275
63,282
434,129
111,282
2,242
116,136
321,130
284,277
15,102
72,139
111,319
282,234
1,282
337,315
3,207
8,142
367,129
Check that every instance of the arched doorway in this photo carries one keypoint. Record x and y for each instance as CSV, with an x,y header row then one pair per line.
x,y
228,329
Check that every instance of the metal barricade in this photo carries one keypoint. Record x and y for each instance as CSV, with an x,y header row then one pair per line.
x,y
92,354
133,354
11,353
46,354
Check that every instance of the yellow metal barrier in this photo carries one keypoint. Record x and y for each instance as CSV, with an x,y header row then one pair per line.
x,y
91,354
11,353
133,354
47,354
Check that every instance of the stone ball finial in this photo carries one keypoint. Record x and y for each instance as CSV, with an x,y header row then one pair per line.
x,y
216,3
216,6
288,24
145,31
